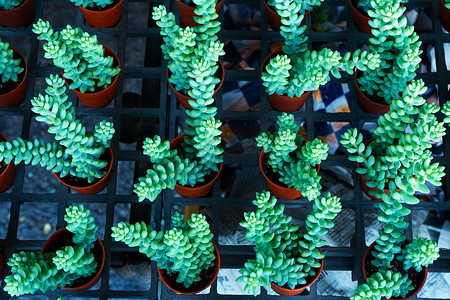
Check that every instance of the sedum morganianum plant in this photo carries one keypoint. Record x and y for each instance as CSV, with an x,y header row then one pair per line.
x,y
77,152
300,70
366,5
92,3
398,47
79,55
305,5
186,249
10,4
293,162
9,67
35,271
284,254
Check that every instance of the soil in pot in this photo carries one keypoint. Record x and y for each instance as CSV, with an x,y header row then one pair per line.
x,y
11,85
367,103
268,170
205,275
13,93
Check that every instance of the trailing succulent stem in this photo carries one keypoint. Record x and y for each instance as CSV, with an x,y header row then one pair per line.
x,y
76,152
186,249
381,284
284,255
9,67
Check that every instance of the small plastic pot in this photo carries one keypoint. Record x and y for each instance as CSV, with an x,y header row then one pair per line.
x,y
17,95
274,19
423,274
104,97
7,176
282,102
64,234
187,13
366,104
103,18
95,187
216,271
291,292
187,191
22,15
184,99
445,16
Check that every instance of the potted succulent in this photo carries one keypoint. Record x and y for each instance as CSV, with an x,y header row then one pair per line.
x,y
192,10
72,258
100,13
13,75
193,53
287,260
289,75
80,159
16,13
188,261
274,15
289,162
445,14
399,51
90,69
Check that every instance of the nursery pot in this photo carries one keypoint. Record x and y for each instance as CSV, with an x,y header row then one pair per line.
x,y
187,13
7,176
101,98
180,289
366,104
274,19
102,18
95,187
445,16
184,99
17,95
282,102
62,238
422,274
196,191
291,292
20,16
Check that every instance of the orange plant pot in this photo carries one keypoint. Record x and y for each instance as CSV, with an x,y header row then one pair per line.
x,y
187,13
104,97
103,18
22,15
98,186
361,20
62,234
187,191
274,19
17,95
7,176
366,104
216,271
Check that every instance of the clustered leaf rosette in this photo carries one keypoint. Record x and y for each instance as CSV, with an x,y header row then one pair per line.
x,y
300,70
293,162
77,152
9,67
284,255
185,250
398,47
35,271
79,54
9,4
92,3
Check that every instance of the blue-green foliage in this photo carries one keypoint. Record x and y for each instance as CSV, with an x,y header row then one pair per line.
x,y
79,54
9,67
9,4
92,3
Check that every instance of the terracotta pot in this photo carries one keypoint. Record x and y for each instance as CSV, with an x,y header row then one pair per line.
x,y
445,16
274,19
423,274
188,191
281,102
17,95
187,13
7,176
104,97
366,104
184,99
22,15
291,292
64,234
216,271
361,20
102,18
95,187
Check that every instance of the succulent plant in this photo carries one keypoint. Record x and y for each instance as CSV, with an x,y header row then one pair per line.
x,y
92,3
366,5
9,67
305,5
77,152
293,162
383,283
79,55
10,4
300,70
284,255
185,250
447,3
35,271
